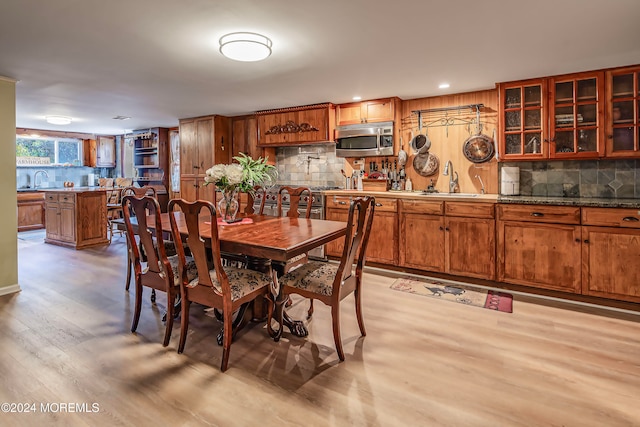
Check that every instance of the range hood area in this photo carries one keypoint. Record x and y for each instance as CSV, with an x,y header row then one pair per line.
x,y
310,124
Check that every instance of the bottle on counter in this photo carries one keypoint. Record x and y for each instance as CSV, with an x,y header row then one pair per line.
x,y
360,187
408,185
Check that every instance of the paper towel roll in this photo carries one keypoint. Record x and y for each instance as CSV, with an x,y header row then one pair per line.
x,y
510,181
91,179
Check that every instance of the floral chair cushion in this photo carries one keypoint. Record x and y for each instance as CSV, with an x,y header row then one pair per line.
x,y
241,280
314,276
192,271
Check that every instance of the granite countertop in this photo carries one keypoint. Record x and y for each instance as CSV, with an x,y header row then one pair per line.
x,y
73,189
528,200
572,201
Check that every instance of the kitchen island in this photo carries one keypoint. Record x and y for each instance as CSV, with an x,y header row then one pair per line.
x,y
76,217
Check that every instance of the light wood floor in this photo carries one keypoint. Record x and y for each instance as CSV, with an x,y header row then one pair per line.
x,y
65,339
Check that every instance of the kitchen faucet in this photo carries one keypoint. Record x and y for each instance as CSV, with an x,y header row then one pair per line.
x,y
453,182
481,183
35,177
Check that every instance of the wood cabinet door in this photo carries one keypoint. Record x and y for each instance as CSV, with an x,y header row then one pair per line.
x,y
610,262
68,222
52,220
622,113
470,247
383,240
348,114
523,120
335,247
222,141
189,188
576,116
106,151
188,148
272,128
422,241
540,255
205,145
381,110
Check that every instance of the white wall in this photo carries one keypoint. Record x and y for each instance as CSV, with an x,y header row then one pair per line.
x,y
8,195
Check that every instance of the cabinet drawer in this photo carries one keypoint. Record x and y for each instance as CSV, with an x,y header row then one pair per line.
x,y
470,209
539,213
433,207
611,217
51,197
66,198
343,202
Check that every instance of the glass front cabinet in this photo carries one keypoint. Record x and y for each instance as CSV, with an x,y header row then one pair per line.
x,y
623,109
523,121
553,118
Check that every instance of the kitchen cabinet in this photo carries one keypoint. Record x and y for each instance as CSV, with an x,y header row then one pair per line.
x,y
204,141
311,124
383,240
470,239
610,253
30,211
560,117
623,112
540,246
76,218
448,237
244,139
100,152
151,160
576,111
377,110
422,239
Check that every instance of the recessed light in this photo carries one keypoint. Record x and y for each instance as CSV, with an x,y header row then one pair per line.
x,y
357,98
443,86
58,120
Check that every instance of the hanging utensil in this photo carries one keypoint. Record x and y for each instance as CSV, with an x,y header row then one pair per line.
x,y
402,155
426,164
478,148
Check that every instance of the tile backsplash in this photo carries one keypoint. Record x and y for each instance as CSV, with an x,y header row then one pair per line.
x,y
314,166
57,175
587,178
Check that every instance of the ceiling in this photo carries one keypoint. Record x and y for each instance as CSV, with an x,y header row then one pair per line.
x,y
158,61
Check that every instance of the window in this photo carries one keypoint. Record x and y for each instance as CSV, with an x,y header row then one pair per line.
x,y
32,150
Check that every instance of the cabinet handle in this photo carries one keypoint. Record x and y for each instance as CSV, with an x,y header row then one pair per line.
x,y
586,240
378,204
446,228
630,219
537,214
342,202
577,240
441,228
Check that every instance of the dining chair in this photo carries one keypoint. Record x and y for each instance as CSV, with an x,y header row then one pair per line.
x,y
295,196
114,210
139,192
331,283
161,271
224,288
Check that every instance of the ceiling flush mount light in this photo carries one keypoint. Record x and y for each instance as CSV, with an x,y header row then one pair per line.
x,y
357,98
247,47
443,86
58,120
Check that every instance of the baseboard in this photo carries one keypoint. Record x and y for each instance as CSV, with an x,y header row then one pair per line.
x,y
11,289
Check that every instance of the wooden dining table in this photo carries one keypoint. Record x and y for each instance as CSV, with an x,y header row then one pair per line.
x,y
266,239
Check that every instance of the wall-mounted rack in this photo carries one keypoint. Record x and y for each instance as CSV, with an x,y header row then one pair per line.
x,y
446,116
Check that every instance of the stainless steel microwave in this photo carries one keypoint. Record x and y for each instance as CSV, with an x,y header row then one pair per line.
x,y
364,140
